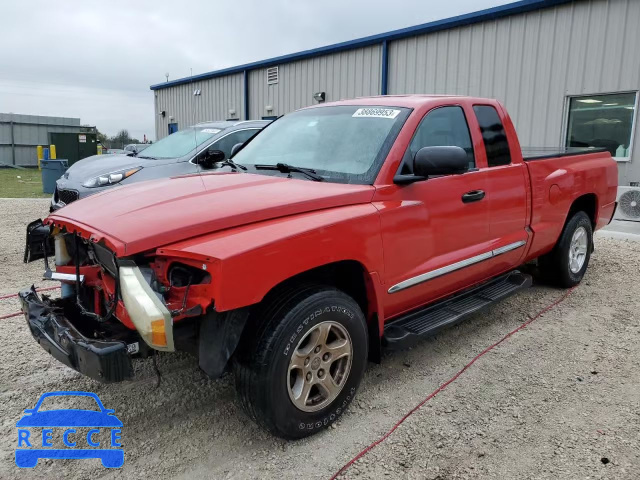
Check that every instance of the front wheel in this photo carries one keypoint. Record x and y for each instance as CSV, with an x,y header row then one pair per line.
x,y
302,367
567,263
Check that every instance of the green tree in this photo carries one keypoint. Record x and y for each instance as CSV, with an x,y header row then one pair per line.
x,y
121,139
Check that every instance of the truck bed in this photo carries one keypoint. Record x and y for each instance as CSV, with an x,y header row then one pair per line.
x,y
539,153
557,177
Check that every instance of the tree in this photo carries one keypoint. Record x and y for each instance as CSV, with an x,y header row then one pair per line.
x,y
121,139
102,138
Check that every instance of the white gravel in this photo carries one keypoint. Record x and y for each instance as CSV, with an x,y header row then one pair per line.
x,y
551,402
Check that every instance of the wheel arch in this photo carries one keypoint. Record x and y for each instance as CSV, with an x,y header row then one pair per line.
x,y
587,203
348,276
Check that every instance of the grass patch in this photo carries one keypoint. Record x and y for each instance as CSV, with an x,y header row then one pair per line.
x,y
21,183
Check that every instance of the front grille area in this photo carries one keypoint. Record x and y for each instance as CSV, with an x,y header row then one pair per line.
x,y
66,196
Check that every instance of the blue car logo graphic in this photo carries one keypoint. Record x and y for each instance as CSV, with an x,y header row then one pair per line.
x,y
32,447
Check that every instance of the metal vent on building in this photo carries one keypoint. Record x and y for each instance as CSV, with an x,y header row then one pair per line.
x,y
272,75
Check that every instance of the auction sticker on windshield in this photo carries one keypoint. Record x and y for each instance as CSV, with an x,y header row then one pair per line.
x,y
210,130
376,113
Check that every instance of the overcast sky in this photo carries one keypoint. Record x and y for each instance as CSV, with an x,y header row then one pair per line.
x,y
96,59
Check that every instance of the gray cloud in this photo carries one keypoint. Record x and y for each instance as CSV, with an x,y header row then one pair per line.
x,y
96,60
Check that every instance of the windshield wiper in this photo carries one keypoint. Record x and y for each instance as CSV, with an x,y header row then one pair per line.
x,y
148,158
286,168
230,163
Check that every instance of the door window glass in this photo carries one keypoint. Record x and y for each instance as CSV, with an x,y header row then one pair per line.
x,y
226,143
444,126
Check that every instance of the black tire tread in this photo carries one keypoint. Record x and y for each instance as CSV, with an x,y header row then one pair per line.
x,y
252,363
553,264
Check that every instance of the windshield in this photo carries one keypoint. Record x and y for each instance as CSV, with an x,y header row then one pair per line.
x,y
341,143
63,402
180,143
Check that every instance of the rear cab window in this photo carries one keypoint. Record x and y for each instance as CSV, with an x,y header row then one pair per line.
x,y
494,136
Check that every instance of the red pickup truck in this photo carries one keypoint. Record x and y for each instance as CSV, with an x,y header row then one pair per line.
x,y
339,230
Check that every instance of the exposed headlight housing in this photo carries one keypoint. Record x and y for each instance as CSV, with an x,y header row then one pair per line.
x,y
150,316
111,178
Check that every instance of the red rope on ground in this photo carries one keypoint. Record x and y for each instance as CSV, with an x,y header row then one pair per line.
x,y
37,290
10,315
448,382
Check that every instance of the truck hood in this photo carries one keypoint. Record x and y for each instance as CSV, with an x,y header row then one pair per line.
x,y
147,215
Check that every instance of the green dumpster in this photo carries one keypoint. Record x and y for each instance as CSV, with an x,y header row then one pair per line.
x,y
52,170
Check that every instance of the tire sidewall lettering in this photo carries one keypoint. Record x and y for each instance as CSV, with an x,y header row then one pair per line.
x,y
299,331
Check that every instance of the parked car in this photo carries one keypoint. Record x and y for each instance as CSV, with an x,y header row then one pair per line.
x,y
357,225
135,148
115,151
171,156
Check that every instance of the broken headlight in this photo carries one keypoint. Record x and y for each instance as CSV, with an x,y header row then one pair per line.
x,y
147,312
111,178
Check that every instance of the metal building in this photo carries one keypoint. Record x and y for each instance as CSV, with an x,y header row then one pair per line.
x,y
567,71
21,134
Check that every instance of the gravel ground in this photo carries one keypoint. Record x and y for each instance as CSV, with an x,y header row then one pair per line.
x,y
554,401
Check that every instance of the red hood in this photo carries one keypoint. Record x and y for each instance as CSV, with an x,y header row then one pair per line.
x,y
148,215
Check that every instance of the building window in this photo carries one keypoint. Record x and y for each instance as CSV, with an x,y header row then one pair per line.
x,y
494,137
604,121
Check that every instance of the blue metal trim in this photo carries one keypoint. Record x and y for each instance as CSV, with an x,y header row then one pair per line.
x,y
493,13
246,94
385,68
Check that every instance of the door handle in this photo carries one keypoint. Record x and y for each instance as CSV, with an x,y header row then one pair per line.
x,y
473,196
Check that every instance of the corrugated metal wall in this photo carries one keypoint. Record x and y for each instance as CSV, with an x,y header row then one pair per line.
x,y
348,74
531,62
29,131
217,97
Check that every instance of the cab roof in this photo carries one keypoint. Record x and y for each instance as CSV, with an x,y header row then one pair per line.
x,y
408,101
223,125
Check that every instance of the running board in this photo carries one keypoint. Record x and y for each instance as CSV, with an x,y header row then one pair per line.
x,y
404,331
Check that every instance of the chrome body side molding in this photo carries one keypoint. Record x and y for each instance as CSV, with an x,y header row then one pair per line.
x,y
424,277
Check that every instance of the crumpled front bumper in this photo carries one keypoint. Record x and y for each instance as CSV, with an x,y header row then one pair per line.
x,y
105,361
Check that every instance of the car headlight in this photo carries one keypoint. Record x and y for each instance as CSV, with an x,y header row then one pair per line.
x,y
150,316
110,178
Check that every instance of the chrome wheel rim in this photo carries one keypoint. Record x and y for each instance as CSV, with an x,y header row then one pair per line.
x,y
319,366
578,249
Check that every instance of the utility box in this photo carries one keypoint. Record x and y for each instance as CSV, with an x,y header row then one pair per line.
x,y
74,146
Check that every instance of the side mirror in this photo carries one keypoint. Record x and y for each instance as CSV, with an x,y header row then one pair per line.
x,y
210,157
235,149
447,160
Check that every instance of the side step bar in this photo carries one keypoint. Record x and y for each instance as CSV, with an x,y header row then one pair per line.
x,y
406,330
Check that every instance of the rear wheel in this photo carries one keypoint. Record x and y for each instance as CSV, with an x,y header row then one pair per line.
x,y
301,368
567,263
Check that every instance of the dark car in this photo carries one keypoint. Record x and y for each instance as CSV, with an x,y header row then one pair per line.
x,y
173,155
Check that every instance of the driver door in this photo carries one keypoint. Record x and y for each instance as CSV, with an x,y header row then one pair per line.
x,y
436,229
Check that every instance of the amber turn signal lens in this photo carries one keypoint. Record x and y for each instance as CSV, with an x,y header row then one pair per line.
x,y
158,336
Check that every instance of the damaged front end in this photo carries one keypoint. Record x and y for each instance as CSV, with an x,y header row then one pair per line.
x,y
112,308
102,360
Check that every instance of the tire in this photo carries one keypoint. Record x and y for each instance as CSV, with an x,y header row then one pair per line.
x,y
555,266
292,327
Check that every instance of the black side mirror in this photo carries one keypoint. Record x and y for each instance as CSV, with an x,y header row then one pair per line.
x,y
210,157
446,160
235,149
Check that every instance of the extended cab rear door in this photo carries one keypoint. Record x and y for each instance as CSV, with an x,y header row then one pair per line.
x,y
507,188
